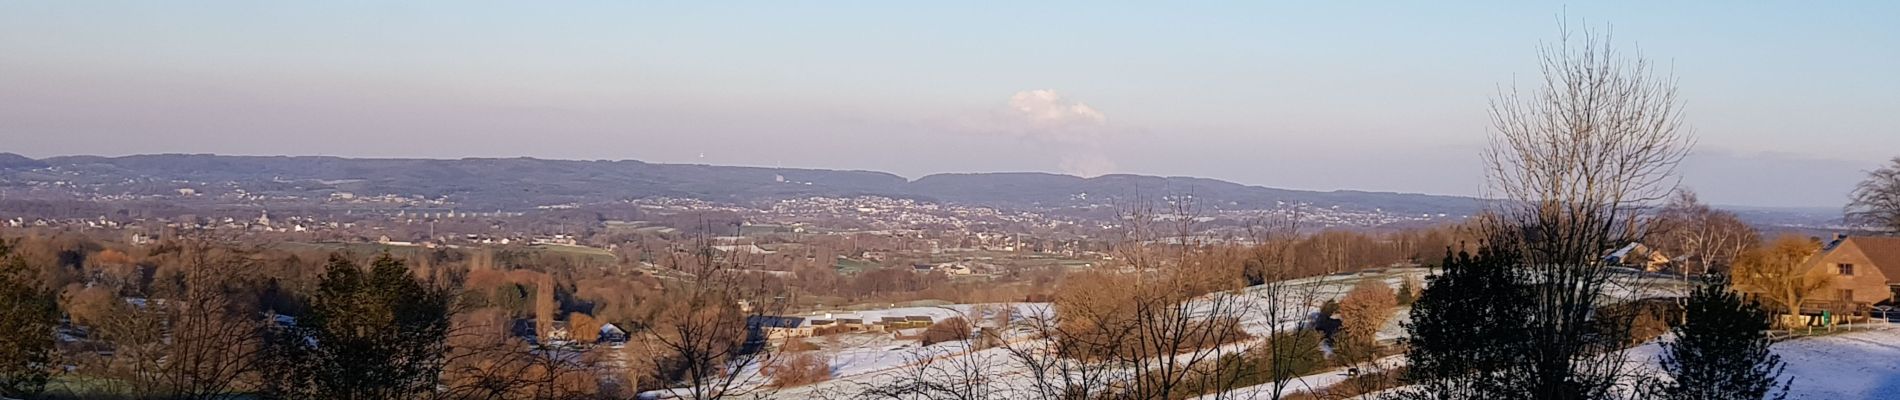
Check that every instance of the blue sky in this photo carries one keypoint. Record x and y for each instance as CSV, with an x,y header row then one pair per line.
x,y
1788,101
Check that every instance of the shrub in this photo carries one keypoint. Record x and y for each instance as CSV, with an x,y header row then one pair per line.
x,y
583,328
796,345
1358,386
1638,321
1228,372
798,369
1365,309
1298,352
948,330
1214,332
1104,316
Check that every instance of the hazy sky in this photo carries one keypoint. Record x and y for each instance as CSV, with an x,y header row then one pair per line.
x,y
1789,101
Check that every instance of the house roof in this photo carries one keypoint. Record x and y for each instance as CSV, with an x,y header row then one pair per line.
x,y
1641,252
766,321
1884,251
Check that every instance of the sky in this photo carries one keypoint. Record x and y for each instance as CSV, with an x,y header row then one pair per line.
x,y
1788,102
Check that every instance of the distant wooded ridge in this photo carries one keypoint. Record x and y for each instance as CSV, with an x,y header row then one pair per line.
x,y
514,183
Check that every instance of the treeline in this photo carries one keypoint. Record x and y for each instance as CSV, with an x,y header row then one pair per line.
x,y
197,319
208,318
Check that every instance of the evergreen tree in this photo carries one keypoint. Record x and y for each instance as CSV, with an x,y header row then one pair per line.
x,y
1325,322
1328,308
1720,351
1466,330
28,316
380,335
1407,293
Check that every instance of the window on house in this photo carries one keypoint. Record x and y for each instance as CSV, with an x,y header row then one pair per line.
x,y
1846,269
1847,294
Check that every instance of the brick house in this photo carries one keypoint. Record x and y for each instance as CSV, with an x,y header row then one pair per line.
x,y
1864,270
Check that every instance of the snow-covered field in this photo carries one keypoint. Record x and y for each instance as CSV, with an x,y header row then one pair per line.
x,y
868,358
866,353
1862,364
1848,364
1853,365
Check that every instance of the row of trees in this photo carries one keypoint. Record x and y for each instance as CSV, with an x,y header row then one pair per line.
x,y
385,329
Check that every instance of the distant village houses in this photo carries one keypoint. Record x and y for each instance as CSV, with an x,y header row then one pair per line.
x,y
1641,257
787,327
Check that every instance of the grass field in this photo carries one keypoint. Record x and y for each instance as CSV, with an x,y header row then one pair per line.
x,y
591,253
354,249
850,266
85,387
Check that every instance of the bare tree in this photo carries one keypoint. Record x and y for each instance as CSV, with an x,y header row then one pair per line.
x,y
193,339
486,361
1875,202
28,316
1330,252
1054,371
1286,303
215,338
1705,238
707,344
1182,315
1576,160
1154,326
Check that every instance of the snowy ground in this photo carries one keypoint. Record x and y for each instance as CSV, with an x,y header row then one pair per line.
x,y
859,354
1857,365
864,358
1862,364
1298,385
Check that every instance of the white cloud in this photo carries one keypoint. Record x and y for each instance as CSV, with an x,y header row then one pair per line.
x,y
1071,130
1046,109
